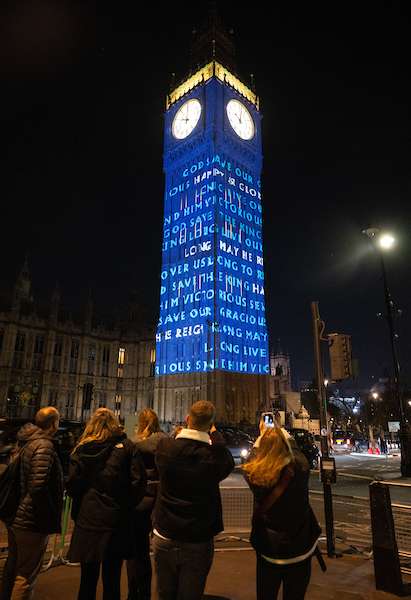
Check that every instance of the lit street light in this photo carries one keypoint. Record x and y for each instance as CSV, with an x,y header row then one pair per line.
x,y
382,242
386,241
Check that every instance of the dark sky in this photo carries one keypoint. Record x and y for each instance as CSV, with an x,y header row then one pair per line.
x,y
81,177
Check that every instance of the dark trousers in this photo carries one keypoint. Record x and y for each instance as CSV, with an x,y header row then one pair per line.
x,y
111,573
182,568
295,579
139,568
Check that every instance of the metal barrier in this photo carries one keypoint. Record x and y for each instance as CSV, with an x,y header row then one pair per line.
x,y
237,509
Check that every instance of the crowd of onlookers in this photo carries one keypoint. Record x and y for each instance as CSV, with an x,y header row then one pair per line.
x,y
158,492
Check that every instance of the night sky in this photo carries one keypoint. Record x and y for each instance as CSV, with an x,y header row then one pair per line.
x,y
81,177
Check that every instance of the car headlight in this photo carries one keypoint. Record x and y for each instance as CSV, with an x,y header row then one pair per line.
x,y
244,453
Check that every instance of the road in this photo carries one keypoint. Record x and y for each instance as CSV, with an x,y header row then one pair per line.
x,y
354,473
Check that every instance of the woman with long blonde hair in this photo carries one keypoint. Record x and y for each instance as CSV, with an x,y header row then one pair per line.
x,y
147,435
106,481
285,531
147,424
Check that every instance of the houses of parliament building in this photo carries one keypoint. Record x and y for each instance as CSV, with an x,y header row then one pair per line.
x,y
76,365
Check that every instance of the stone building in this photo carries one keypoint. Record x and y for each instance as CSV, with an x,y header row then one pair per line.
x,y
75,364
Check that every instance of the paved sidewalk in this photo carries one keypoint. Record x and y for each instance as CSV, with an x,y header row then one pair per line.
x,y
233,578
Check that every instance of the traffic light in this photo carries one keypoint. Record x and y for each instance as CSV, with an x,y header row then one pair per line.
x,y
87,395
339,346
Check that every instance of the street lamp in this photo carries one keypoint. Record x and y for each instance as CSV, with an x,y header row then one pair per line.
x,y
383,241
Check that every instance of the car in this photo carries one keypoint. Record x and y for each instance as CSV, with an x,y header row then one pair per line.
x,y
306,443
238,442
342,441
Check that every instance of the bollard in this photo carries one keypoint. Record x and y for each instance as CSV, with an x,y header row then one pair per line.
x,y
387,569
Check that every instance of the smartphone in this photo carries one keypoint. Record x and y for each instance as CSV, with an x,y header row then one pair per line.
x,y
268,419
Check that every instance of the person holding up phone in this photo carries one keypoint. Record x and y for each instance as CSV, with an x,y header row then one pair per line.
x,y
188,510
285,531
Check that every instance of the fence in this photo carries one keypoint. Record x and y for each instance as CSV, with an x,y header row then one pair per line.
x,y
352,523
352,520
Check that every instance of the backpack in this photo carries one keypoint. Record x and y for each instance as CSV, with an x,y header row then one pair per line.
x,y
10,489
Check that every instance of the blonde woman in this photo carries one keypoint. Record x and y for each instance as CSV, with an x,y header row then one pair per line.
x,y
139,572
285,531
106,481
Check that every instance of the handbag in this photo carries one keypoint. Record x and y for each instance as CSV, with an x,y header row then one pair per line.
x,y
264,539
10,490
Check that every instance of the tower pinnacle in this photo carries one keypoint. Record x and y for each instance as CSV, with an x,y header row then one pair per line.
x,y
22,287
213,42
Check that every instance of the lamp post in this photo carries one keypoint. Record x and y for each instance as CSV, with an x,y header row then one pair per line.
x,y
382,242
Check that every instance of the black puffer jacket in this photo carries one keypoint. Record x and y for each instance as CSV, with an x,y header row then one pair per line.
x,y
41,480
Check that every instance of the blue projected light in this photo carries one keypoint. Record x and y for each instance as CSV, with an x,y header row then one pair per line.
x,y
212,311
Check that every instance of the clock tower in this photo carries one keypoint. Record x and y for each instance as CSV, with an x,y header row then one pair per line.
x,y
212,340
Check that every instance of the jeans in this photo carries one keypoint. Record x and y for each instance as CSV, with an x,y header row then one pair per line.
x,y
111,573
182,568
295,579
24,560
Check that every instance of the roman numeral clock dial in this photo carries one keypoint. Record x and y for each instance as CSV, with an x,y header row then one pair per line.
x,y
240,119
186,119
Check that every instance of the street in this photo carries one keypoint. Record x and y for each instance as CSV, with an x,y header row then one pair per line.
x,y
354,473
351,505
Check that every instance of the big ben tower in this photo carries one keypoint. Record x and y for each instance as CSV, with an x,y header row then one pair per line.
x,y
212,340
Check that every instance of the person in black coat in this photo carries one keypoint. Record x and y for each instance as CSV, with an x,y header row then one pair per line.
x,y
139,572
188,510
285,531
106,481
40,507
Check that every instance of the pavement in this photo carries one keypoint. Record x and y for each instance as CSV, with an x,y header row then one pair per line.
x,y
232,577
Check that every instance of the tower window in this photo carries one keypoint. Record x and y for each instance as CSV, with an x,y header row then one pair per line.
x,y
38,353
105,361
91,359
117,404
74,352
121,361
58,348
152,361
19,350
39,344
20,342
53,395
121,356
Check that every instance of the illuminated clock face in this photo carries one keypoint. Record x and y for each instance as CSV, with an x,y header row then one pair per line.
x,y
186,118
240,119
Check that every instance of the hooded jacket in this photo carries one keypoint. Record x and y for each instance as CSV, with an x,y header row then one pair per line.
x,y
106,481
41,482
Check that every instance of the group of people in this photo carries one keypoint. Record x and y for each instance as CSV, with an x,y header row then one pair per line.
x,y
157,492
